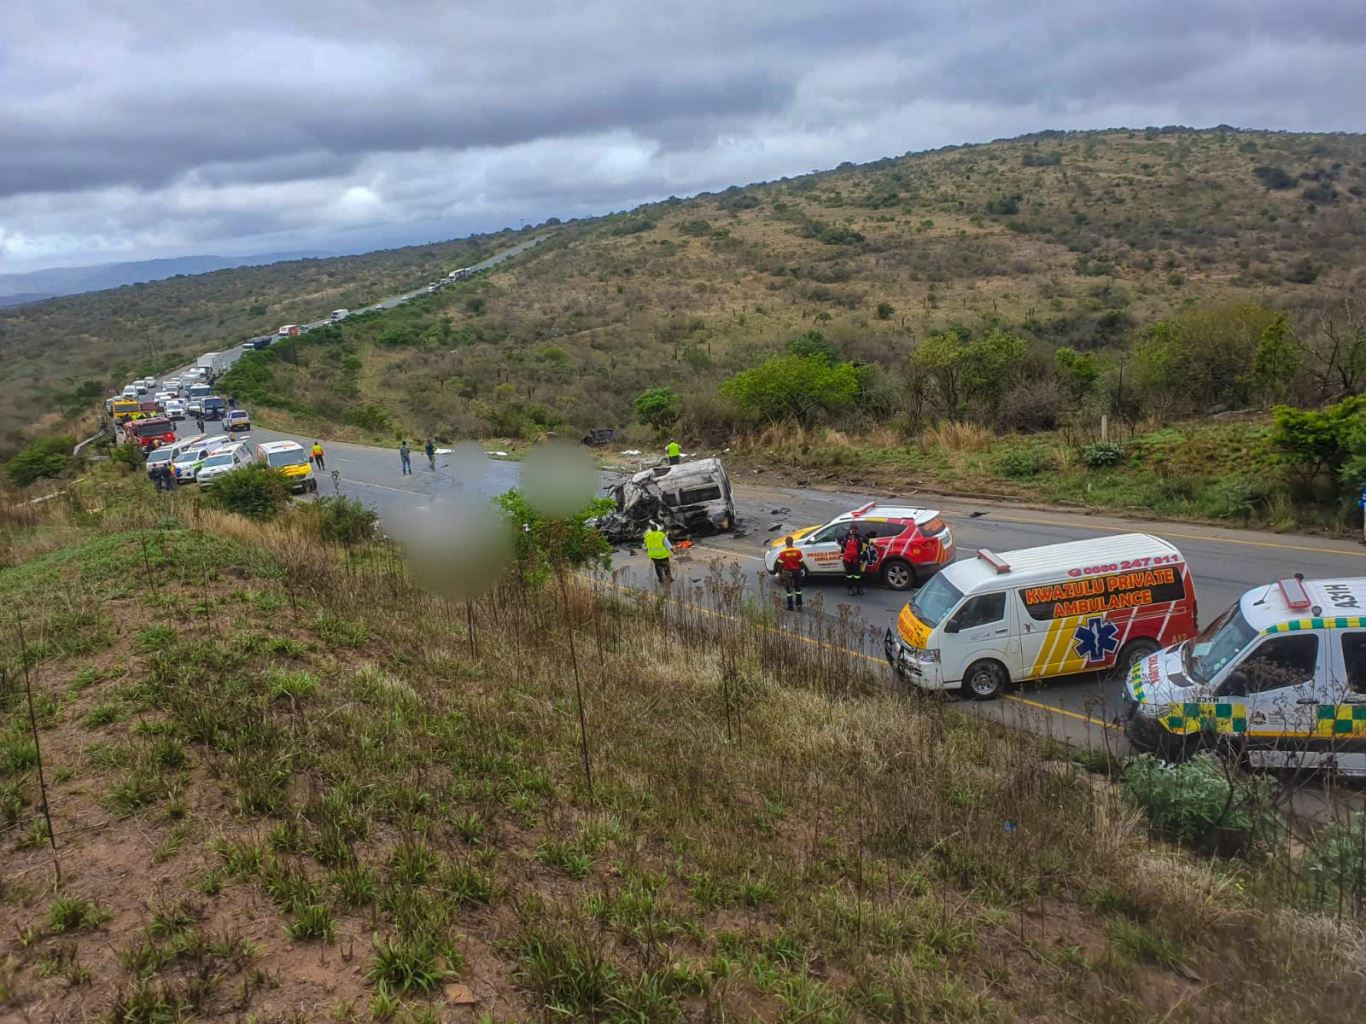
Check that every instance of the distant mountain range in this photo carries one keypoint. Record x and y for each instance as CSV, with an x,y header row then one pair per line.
x,y
45,284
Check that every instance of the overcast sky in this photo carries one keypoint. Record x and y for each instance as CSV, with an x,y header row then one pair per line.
x,y
152,128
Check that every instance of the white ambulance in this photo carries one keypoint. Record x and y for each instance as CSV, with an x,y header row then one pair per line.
x,y
1279,677
1085,606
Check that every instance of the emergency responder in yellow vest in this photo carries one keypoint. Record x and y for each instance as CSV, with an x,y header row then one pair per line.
x,y
318,454
673,452
790,569
657,546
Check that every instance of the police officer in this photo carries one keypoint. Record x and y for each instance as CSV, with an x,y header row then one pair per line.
x,y
657,546
790,571
673,451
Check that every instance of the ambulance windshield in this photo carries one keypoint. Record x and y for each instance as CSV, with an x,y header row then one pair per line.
x,y
935,600
1221,642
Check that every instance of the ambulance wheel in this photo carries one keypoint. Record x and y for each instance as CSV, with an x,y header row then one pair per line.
x,y
898,574
1134,652
984,680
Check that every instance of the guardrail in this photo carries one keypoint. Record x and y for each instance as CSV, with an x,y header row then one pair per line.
x,y
93,437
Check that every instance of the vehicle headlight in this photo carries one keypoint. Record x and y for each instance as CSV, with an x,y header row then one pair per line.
x,y
925,657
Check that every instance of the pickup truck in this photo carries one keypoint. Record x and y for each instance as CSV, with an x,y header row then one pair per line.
x,y
236,420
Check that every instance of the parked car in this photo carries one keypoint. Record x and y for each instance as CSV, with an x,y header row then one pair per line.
x,y
222,462
1276,681
187,463
238,420
911,543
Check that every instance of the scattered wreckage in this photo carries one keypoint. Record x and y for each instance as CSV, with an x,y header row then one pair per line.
x,y
688,499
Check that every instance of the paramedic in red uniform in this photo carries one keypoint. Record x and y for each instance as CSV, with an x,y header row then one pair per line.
x,y
790,569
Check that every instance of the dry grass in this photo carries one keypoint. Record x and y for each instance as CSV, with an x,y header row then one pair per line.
x,y
954,438
300,751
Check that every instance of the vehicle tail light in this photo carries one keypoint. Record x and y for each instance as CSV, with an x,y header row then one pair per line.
x,y
932,526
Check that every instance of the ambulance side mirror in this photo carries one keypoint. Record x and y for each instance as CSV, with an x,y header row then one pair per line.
x,y
1235,685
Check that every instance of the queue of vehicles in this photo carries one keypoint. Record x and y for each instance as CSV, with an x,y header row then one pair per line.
x,y
204,459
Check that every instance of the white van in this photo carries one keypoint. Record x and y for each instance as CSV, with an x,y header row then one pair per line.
x,y
1086,606
1280,676
338,315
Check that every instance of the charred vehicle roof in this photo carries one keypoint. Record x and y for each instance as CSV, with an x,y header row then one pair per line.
x,y
689,498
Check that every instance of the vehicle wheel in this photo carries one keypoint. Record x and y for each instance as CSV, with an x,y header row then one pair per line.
x,y
899,574
1134,652
984,680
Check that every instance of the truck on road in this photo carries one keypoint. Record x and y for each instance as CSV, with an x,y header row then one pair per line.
x,y
213,364
288,331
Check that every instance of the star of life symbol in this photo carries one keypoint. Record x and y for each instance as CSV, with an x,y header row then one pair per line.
x,y
1096,639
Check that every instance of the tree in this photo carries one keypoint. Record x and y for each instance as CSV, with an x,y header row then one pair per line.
x,y
1078,372
885,310
1328,444
45,457
658,408
793,387
812,345
961,367
1276,361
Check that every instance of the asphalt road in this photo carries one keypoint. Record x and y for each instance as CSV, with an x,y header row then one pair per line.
x,y
235,353
1078,710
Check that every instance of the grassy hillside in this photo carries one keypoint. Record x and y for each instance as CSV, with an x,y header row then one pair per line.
x,y
286,785
1081,240
66,354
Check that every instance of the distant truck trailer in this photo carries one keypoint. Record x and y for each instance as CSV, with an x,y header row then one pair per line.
x,y
288,331
213,364
338,315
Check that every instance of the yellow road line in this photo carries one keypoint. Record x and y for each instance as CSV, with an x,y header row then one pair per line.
x,y
1089,720
870,657
1182,536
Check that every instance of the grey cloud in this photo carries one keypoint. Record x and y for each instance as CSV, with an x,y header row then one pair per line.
x,y
200,122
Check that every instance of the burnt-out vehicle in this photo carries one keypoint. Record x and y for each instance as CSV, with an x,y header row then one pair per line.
x,y
689,499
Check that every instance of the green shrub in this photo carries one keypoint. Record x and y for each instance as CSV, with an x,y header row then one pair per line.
x,y
45,457
75,914
1193,802
1021,463
794,387
343,520
255,491
1102,454
127,456
1334,869
1231,498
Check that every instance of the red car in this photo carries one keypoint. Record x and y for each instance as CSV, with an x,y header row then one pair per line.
x,y
149,433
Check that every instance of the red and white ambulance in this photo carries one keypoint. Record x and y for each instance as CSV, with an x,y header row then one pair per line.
x,y
1037,613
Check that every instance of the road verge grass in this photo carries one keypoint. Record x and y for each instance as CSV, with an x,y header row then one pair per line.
x,y
340,800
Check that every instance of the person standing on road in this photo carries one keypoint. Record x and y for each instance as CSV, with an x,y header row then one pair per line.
x,y
199,423
405,458
867,560
790,569
318,454
430,449
673,451
850,554
1363,513
657,546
